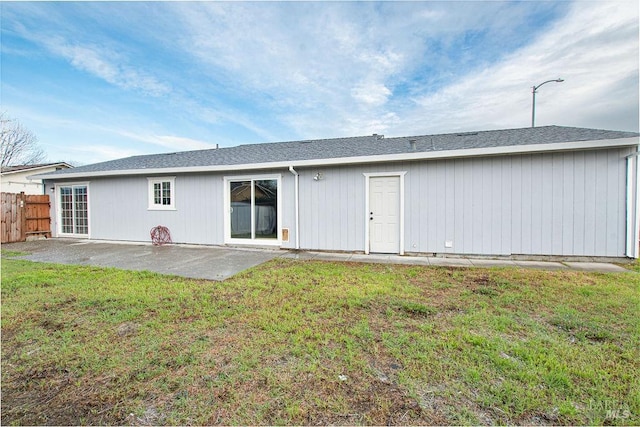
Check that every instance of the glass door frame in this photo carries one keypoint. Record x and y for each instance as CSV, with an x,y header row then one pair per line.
x,y
227,211
58,204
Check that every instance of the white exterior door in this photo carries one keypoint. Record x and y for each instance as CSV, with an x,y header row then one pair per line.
x,y
384,214
73,210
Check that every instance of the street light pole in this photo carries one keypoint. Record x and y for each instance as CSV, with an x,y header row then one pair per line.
x,y
533,105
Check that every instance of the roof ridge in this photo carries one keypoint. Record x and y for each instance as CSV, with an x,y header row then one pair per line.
x,y
481,131
307,140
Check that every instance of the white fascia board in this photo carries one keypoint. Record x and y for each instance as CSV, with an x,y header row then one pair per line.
x,y
411,156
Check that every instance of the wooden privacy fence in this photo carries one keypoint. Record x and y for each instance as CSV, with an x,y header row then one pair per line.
x,y
25,215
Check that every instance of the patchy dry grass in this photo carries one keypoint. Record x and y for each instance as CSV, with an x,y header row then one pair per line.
x,y
8,254
634,266
294,342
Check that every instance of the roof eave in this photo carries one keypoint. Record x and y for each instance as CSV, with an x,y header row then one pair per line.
x,y
68,166
410,156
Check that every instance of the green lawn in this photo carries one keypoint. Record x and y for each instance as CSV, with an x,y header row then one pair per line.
x,y
294,342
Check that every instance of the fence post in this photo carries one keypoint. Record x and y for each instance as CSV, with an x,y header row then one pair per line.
x,y
22,216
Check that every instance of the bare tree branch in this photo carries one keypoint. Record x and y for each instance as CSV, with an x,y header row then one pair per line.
x,y
18,145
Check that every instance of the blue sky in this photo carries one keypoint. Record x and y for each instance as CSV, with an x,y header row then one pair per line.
x,y
102,80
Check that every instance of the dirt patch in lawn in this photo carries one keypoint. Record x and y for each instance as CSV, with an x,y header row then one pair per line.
x,y
53,397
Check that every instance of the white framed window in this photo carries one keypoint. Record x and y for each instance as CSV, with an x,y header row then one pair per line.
x,y
162,193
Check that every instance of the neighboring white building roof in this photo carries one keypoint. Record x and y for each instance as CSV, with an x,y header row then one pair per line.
x,y
34,168
17,179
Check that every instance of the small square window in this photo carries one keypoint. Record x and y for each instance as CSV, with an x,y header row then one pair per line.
x,y
162,193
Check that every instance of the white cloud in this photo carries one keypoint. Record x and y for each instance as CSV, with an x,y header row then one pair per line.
x,y
173,142
594,48
240,72
323,70
107,66
371,94
94,153
311,58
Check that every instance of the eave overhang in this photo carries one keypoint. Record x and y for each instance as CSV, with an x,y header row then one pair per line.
x,y
340,161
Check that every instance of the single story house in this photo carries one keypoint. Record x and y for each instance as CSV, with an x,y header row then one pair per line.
x,y
550,190
15,179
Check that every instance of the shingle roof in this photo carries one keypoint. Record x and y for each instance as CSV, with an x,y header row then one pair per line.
x,y
349,147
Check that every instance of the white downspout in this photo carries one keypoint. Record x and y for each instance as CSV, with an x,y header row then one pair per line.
x,y
633,205
636,228
629,214
297,204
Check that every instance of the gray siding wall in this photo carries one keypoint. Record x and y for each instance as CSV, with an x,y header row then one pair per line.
x,y
549,204
332,210
118,208
569,203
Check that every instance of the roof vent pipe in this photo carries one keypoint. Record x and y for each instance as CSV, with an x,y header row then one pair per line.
x,y
412,144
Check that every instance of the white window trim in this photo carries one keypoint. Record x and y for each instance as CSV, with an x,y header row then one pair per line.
x,y
227,214
160,179
58,204
367,176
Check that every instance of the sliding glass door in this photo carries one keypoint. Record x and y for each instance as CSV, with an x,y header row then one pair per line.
x,y
253,207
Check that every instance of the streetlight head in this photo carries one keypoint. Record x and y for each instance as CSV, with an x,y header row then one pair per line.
x,y
533,104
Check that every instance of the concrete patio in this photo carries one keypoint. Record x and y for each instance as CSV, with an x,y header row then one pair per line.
x,y
220,263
